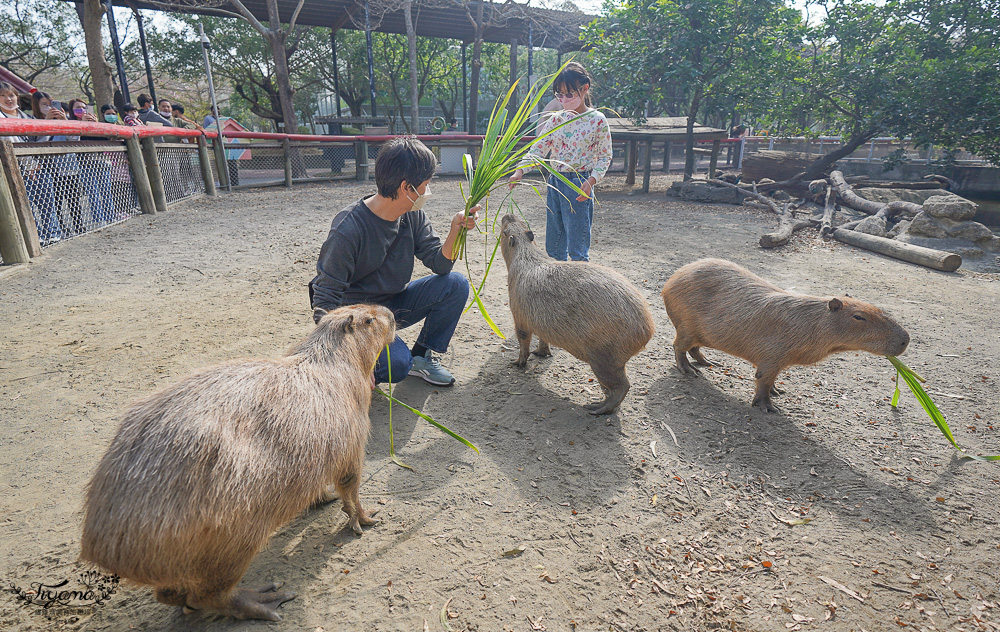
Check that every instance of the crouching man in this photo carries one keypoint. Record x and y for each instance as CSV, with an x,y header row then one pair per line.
x,y
368,258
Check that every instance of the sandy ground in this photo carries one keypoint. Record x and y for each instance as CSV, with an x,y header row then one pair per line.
x,y
672,514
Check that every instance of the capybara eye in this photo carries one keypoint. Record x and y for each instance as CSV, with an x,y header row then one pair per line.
x,y
369,320
859,317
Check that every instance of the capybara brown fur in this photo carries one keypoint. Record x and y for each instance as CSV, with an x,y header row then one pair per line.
x,y
716,303
591,311
201,473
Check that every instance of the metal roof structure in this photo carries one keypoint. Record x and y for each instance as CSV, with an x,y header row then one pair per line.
x,y
547,28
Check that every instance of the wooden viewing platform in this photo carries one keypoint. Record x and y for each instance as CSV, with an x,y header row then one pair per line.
x,y
665,129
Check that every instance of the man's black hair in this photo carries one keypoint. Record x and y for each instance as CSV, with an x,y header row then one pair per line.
x,y
403,158
143,100
162,100
178,107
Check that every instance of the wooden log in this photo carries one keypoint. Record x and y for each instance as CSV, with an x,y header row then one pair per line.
x,y
786,227
886,184
850,198
888,211
776,165
19,194
750,194
714,160
647,166
826,225
206,168
140,177
937,259
633,154
12,246
286,150
154,173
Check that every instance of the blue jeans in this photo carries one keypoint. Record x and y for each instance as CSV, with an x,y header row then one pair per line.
x,y
41,192
568,222
438,300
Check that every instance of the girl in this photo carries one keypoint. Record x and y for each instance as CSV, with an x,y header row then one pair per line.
x,y
581,152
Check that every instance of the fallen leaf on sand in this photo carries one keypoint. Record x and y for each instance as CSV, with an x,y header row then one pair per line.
x,y
842,588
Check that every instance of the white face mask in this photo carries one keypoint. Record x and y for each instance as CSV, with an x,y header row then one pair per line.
x,y
45,108
571,104
421,199
166,113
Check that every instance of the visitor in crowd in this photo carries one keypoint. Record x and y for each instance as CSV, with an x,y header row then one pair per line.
x,y
368,258
131,117
37,173
119,173
185,167
146,113
110,115
581,152
179,120
452,125
95,171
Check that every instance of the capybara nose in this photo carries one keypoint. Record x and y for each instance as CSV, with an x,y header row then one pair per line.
x,y
904,341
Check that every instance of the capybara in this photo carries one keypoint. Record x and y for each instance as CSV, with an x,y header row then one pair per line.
x,y
716,303
591,311
201,473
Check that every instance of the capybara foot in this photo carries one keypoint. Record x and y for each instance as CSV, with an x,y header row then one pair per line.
x,y
776,391
763,402
519,363
362,519
247,603
543,350
685,366
699,357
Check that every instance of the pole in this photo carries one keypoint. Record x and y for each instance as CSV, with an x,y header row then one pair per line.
x,y
371,57
205,45
145,53
465,92
116,45
336,70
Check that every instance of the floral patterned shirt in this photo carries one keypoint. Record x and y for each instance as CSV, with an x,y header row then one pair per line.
x,y
581,145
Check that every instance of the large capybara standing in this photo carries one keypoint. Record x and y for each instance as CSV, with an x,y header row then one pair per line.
x,y
591,311
201,473
718,304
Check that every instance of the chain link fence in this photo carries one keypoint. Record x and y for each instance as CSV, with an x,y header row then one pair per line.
x,y
180,169
75,188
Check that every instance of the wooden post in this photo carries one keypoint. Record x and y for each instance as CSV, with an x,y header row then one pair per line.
x,y
937,259
647,165
632,155
140,178
286,149
714,160
155,174
221,167
206,168
666,156
12,246
20,196
361,160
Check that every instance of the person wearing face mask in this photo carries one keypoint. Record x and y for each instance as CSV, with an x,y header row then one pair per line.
x,y
36,170
64,169
368,258
581,151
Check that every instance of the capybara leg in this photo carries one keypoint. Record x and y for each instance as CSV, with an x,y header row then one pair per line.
x,y
765,382
171,597
681,346
328,495
523,339
246,603
776,391
543,350
616,386
699,358
348,487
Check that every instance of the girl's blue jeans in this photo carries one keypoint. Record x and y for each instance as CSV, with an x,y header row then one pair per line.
x,y
568,222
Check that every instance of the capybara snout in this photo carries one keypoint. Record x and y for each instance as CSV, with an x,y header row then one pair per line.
x,y
591,311
718,304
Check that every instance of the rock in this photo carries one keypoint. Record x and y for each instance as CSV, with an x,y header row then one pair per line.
x,y
917,196
781,196
924,225
900,227
695,191
872,226
973,231
950,206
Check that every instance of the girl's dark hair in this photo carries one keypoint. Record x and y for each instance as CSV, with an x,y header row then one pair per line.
x,y
6,87
573,77
36,98
129,107
69,111
403,158
106,107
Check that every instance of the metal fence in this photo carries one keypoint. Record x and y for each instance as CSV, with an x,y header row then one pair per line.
x,y
876,149
180,170
75,188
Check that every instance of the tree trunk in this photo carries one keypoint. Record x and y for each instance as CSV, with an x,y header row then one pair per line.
x,y
411,40
786,227
100,69
689,138
819,167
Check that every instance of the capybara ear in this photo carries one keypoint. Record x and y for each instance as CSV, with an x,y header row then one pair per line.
x,y
348,324
318,314
530,235
835,304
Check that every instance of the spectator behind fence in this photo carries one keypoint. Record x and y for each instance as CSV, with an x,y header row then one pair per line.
x,y
109,114
95,170
121,177
146,113
37,178
65,167
179,120
232,155
131,117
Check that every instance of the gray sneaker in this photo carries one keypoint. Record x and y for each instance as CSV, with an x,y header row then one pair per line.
x,y
430,370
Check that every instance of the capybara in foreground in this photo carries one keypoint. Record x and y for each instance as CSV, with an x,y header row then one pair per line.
x,y
201,473
591,311
718,304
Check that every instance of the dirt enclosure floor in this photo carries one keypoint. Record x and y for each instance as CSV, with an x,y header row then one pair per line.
x,y
684,510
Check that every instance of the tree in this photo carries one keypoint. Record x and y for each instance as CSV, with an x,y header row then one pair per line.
x,y
694,49
36,38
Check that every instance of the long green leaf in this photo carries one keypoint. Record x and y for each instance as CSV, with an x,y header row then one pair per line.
x,y
913,381
430,420
392,443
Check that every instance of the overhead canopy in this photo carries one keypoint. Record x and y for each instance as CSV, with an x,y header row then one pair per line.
x,y
436,18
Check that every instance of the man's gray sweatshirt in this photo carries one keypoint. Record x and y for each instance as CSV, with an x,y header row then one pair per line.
x,y
366,259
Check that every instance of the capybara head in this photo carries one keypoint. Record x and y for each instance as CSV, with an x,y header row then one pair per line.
x,y
866,327
360,329
515,236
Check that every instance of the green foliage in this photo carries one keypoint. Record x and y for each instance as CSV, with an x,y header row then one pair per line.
x,y
37,38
